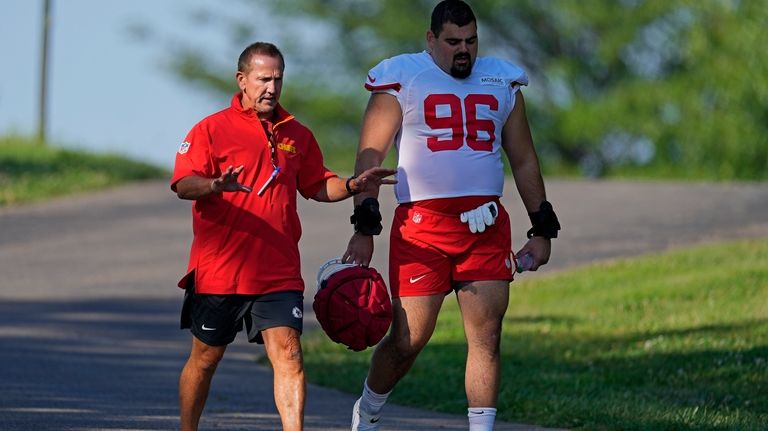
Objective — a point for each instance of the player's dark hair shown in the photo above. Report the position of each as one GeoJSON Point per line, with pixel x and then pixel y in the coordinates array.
{"type": "Point", "coordinates": [453, 11]}
{"type": "Point", "coordinates": [258, 48]}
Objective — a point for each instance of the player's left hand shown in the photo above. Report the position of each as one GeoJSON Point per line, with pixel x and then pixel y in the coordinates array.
{"type": "Point", "coordinates": [371, 179]}
{"type": "Point", "coordinates": [539, 248]}
{"type": "Point", "coordinates": [480, 217]}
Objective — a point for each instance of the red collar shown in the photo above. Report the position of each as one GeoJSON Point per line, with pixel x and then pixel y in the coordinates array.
{"type": "Point", "coordinates": [280, 114]}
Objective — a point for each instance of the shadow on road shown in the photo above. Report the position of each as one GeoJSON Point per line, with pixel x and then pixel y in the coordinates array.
{"type": "Point", "coordinates": [89, 334]}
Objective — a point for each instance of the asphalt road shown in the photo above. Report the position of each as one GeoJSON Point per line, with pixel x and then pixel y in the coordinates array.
{"type": "Point", "coordinates": [89, 334]}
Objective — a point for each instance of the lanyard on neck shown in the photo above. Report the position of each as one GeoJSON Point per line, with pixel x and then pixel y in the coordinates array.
{"type": "Point", "coordinates": [273, 158]}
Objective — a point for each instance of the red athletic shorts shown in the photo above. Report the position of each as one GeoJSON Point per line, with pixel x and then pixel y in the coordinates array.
{"type": "Point", "coordinates": [430, 250]}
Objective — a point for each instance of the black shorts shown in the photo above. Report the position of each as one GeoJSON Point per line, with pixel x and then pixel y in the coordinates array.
{"type": "Point", "coordinates": [216, 319]}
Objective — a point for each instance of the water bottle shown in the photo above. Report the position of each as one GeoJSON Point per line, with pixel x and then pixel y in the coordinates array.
{"type": "Point", "coordinates": [524, 262]}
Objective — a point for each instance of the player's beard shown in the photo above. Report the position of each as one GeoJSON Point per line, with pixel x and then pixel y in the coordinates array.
{"type": "Point", "coordinates": [461, 71]}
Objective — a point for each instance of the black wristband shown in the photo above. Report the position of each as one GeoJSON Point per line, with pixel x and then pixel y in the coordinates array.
{"type": "Point", "coordinates": [349, 189]}
{"type": "Point", "coordinates": [367, 217]}
{"type": "Point", "coordinates": [544, 222]}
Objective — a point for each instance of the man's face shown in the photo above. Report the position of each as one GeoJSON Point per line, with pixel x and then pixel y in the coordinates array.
{"type": "Point", "coordinates": [261, 84]}
{"type": "Point", "coordinates": [455, 50]}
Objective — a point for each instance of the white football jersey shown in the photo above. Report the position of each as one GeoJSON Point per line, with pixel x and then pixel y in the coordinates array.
{"type": "Point", "coordinates": [449, 143]}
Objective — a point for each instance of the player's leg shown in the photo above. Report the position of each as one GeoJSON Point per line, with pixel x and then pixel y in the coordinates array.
{"type": "Point", "coordinates": [284, 352]}
{"type": "Point", "coordinates": [195, 382]}
{"type": "Point", "coordinates": [482, 274]}
{"type": "Point", "coordinates": [483, 304]}
{"type": "Point", "coordinates": [413, 322]}
{"type": "Point", "coordinates": [419, 277]}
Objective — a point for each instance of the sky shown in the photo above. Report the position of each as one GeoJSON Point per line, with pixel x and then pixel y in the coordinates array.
{"type": "Point", "coordinates": [109, 91]}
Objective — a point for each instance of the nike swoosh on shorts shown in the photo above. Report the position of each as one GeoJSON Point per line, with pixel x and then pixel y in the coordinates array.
{"type": "Point", "coordinates": [415, 279]}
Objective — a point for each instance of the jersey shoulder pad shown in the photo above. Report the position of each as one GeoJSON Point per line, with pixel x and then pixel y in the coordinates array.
{"type": "Point", "coordinates": [391, 74]}
{"type": "Point", "coordinates": [503, 69]}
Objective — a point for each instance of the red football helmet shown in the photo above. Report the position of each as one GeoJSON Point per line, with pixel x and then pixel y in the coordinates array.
{"type": "Point", "coordinates": [352, 304]}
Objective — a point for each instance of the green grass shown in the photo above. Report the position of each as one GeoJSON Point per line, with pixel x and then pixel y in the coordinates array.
{"type": "Point", "coordinates": [676, 341]}
{"type": "Point", "coordinates": [31, 172]}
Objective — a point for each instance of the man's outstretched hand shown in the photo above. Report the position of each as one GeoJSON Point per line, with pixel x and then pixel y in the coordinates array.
{"type": "Point", "coordinates": [227, 182]}
{"type": "Point", "coordinates": [371, 179]}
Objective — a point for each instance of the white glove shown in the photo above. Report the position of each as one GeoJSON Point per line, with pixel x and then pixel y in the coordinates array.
{"type": "Point", "coordinates": [480, 217]}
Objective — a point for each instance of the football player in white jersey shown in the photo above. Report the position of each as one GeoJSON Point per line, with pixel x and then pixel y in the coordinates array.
{"type": "Point", "coordinates": [450, 114]}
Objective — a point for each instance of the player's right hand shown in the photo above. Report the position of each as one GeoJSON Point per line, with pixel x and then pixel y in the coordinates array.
{"type": "Point", "coordinates": [359, 250]}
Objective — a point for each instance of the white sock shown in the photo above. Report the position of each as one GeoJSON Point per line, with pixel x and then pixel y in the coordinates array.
{"type": "Point", "coordinates": [372, 402]}
{"type": "Point", "coordinates": [481, 418]}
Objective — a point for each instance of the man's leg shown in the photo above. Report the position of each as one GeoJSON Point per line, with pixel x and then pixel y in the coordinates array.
{"type": "Point", "coordinates": [195, 381]}
{"type": "Point", "coordinates": [483, 304]}
{"type": "Point", "coordinates": [413, 321]}
{"type": "Point", "coordinates": [284, 352]}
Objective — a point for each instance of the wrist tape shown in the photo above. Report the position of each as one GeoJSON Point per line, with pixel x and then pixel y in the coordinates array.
{"type": "Point", "coordinates": [544, 222]}
{"type": "Point", "coordinates": [367, 218]}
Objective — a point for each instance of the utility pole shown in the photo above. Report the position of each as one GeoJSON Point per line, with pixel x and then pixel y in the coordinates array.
{"type": "Point", "coordinates": [41, 118]}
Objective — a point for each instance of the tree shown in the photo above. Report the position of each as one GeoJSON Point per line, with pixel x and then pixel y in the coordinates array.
{"type": "Point", "coordinates": [618, 87]}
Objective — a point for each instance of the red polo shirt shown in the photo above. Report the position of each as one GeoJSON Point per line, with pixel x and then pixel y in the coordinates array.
{"type": "Point", "coordinates": [244, 243]}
